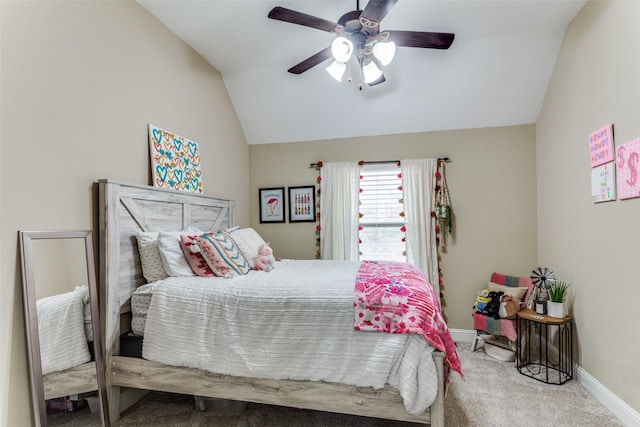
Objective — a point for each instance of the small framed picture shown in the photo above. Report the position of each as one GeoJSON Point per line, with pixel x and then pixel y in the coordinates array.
{"type": "Point", "coordinates": [272, 204]}
{"type": "Point", "coordinates": [302, 204]}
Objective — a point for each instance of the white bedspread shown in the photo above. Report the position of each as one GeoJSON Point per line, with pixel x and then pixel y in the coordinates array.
{"type": "Point", "coordinates": [61, 329]}
{"type": "Point", "coordinates": [294, 322]}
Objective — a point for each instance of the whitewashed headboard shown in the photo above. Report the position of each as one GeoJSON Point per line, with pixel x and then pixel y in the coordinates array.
{"type": "Point", "coordinates": [126, 209]}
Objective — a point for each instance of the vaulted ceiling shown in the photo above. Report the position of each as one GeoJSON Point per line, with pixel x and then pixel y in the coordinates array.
{"type": "Point", "coordinates": [496, 72]}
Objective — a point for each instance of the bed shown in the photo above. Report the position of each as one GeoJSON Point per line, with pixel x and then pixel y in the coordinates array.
{"type": "Point", "coordinates": [64, 326]}
{"type": "Point", "coordinates": [65, 336]}
{"type": "Point", "coordinates": [127, 209]}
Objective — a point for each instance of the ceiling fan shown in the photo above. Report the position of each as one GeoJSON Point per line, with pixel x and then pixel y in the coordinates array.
{"type": "Point", "coordinates": [358, 36]}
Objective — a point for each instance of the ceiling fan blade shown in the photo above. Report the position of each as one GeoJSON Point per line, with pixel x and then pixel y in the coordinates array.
{"type": "Point", "coordinates": [287, 15]}
{"type": "Point", "coordinates": [380, 79]}
{"type": "Point", "coordinates": [376, 10]}
{"type": "Point", "coordinates": [311, 61]}
{"type": "Point", "coordinates": [421, 39]}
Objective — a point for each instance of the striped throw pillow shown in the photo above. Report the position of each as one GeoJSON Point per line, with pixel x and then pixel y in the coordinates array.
{"type": "Point", "coordinates": [222, 254]}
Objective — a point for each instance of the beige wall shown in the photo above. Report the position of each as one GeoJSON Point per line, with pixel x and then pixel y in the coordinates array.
{"type": "Point", "coordinates": [492, 185]}
{"type": "Point", "coordinates": [594, 246]}
{"type": "Point", "coordinates": [80, 81]}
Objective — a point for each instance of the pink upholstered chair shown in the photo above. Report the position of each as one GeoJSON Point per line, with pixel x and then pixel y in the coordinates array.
{"type": "Point", "coordinates": [501, 327]}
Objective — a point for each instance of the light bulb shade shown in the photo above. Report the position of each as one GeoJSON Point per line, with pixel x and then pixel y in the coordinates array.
{"type": "Point", "coordinates": [371, 72]}
{"type": "Point", "coordinates": [336, 70]}
{"type": "Point", "coordinates": [341, 49]}
{"type": "Point", "coordinates": [384, 51]}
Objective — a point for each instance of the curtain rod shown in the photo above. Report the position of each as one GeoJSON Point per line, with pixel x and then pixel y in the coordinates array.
{"type": "Point", "coordinates": [373, 162]}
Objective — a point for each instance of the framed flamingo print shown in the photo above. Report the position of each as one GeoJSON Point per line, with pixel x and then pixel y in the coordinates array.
{"type": "Point", "coordinates": [175, 161]}
{"type": "Point", "coordinates": [272, 203]}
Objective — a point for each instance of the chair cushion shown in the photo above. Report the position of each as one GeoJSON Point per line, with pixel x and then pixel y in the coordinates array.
{"type": "Point", "coordinates": [514, 282]}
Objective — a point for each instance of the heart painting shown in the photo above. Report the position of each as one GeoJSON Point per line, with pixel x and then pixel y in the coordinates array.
{"type": "Point", "coordinates": [175, 161]}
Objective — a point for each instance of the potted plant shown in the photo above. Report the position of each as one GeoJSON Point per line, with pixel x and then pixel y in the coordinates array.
{"type": "Point", "coordinates": [556, 305]}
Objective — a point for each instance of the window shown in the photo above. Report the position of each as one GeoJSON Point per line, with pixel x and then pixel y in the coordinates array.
{"type": "Point", "coordinates": [381, 237]}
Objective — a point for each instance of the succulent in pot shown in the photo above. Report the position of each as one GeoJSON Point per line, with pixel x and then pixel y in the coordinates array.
{"type": "Point", "coordinates": [556, 306]}
{"type": "Point", "coordinates": [557, 290]}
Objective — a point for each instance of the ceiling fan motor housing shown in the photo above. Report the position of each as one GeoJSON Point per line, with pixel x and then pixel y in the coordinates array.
{"type": "Point", "coordinates": [360, 31]}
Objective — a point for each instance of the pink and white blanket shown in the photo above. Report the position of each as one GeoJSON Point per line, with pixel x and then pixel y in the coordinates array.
{"type": "Point", "coordinates": [397, 298]}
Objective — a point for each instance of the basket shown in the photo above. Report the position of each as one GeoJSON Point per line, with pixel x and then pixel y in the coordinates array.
{"type": "Point", "coordinates": [499, 353]}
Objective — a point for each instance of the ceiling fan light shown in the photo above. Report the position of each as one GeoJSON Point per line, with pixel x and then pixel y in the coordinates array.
{"type": "Point", "coordinates": [371, 72]}
{"type": "Point", "coordinates": [336, 70]}
{"type": "Point", "coordinates": [341, 49]}
{"type": "Point", "coordinates": [385, 52]}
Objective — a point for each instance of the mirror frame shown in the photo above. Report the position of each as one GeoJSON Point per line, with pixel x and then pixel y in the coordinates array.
{"type": "Point", "coordinates": [31, 320]}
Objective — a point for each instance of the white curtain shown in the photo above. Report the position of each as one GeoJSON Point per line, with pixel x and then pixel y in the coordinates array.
{"type": "Point", "coordinates": [339, 196]}
{"type": "Point", "coordinates": [418, 181]}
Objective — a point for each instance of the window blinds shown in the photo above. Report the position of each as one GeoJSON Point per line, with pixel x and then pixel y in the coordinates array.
{"type": "Point", "coordinates": [381, 237]}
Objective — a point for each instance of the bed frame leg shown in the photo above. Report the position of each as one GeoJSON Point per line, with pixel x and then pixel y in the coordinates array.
{"type": "Point", "coordinates": [437, 407]}
{"type": "Point", "coordinates": [114, 403]}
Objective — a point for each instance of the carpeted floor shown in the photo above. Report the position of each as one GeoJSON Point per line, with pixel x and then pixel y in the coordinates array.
{"type": "Point", "coordinates": [492, 393]}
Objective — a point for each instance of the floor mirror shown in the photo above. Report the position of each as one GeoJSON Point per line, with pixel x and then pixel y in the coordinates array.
{"type": "Point", "coordinates": [66, 364]}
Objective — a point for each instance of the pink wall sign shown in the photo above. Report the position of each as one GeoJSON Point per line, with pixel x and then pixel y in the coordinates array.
{"type": "Point", "coordinates": [601, 146]}
{"type": "Point", "coordinates": [628, 163]}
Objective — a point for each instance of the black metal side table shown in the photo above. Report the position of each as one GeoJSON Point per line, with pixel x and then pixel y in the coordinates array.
{"type": "Point", "coordinates": [544, 362]}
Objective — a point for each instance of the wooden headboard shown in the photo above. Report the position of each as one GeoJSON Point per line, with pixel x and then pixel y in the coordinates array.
{"type": "Point", "coordinates": [126, 209]}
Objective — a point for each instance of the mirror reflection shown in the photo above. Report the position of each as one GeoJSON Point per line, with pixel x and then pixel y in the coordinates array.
{"type": "Point", "coordinates": [66, 366]}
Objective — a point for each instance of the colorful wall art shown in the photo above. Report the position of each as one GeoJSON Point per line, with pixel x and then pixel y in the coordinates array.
{"type": "Point", "coordinates": [628, 155]}
{"type": "Point", "coordinates": [603, 183]}
{"type": "Point", "coordinates": [175, 161]}
{"type": "Point", "coordinates": [302, 204]}
{"type": "Point", "coordinates": [601, 148]}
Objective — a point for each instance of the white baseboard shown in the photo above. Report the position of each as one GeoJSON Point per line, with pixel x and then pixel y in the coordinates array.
{"type": "Point", "coordinates": [625, 413]}
{"type": "Point", "coordinates": [463, 335]}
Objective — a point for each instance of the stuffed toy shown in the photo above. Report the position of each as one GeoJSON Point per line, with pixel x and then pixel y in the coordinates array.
{"type": "Point", "coordinates": [509, 306]}
{"type": "Point", "coordinates": [481, 301]}
{"type": "Point", "coordinates": [265, 260]}
{"type": "Point", "coordinates": [493, 307]}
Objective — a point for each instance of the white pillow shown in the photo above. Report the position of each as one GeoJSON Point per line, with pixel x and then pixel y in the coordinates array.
{"type": "Point", "coordinates": [148, 246]}
{"type": "Point", "coordinates": [152, 268]}
{"type": "Point", "coordinates": [173, 260]}
{"type": "Point", "coordinates": [248, 241]}
{"type": "Point", "coordinates": [508, 290]}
